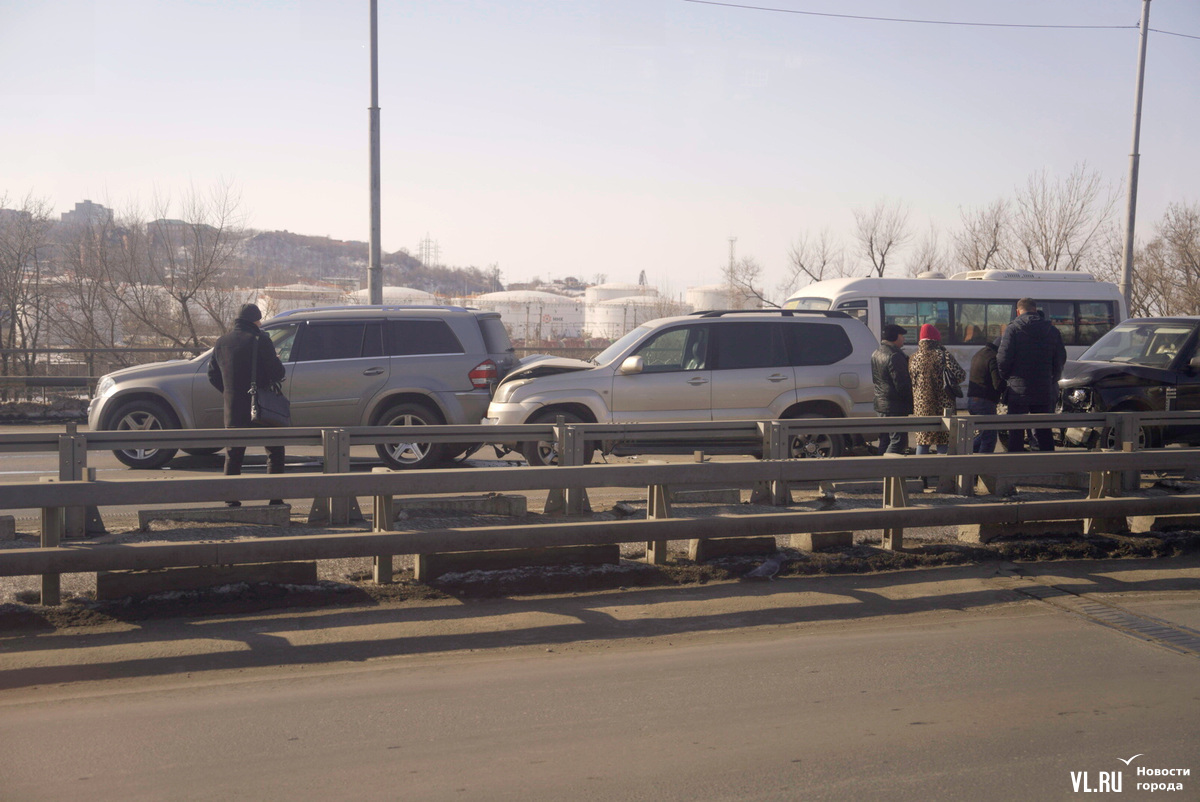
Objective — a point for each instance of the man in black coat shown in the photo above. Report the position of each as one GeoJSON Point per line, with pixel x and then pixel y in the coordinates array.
{"type": "Point", "coordinates": [1031, 358]}
{"type": "Point", "coordinates": [983, 393]}
{"type": "Point", "coordinates": [893, 385]}
{"type": "Point", "coordinates": [229, 372]}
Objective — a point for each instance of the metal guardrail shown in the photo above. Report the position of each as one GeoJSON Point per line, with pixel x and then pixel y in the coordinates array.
{"type": "Point", "coordinates": [54, 559]}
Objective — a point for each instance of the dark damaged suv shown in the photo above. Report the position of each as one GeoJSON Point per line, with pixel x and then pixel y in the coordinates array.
{"type": "Point", "coordinates": [1142, 365]}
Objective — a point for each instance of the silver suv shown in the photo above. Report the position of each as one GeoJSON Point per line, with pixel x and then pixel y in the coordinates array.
{"type": "Point", "coordinates": [346, 366]}
{"type": "Point", "coordinates": [720, 365]}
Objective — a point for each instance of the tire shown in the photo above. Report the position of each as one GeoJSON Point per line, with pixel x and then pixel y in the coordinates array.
{"type": "Point", "coordinates": [545, 452]}
{"type": "Point", "coordinates": [819, 446]}
{"type": "Point", "coordinates": [1147, 438]}
{"type": "Point", "coordinates": [410, 455]}
{"type": "Point", "coordinates": [144, 415]}
{"type": "Point", "coordinates": [201, 452]}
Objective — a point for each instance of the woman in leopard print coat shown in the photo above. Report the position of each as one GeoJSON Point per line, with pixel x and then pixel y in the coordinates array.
{"type": "Point", "coordinates": [929, 391]}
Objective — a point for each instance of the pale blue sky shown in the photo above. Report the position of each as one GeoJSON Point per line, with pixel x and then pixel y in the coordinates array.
{"type": "Point", "coordinates": [580, 137]}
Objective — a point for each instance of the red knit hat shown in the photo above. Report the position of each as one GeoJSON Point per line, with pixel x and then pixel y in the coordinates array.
{"type": "Point", "coordinates": [930, 332]}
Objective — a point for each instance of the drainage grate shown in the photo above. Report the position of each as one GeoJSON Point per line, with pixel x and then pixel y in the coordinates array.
{"type": "Point", "coordinates": [1177, 638]}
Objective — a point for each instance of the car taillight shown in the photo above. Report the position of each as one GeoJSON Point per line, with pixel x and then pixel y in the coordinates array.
{"type": "Point", "coordinates": [484, 375]}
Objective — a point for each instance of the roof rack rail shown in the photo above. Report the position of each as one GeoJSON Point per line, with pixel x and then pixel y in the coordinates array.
{"type": "Point", "coordinates": [781, 312]}
{"type": "Point", "coordinates": [375, 307]}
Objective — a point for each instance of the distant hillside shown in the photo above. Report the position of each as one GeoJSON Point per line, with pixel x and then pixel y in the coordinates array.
{"type": "Point", "coordinates": [280, 257]}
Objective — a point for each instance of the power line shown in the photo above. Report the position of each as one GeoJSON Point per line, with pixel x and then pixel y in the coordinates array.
{"type": "Point", "coordinates": [1172, 33]}
{"type": "Point", "coordinates": [929, 21]}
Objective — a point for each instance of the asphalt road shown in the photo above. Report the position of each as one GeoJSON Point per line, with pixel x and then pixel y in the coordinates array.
{"type": "Point", "coordinates": [932, 685]}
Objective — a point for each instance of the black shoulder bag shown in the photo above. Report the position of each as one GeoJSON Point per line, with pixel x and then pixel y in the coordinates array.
{"type": "Point", "coordinates": [268, 406]}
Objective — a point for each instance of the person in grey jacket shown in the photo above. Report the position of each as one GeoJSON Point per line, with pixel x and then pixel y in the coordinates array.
{"type": "Point", "coordinates": [893, 386]}
{"type": "Point", "coordinates": [229, 372]}
{"type": "Point", "coordinates": [1031, 356]}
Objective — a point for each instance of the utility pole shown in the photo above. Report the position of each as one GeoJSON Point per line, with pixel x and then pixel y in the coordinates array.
{"type": "Point", "coordinates": [375, 256]}
{"type": "Point", "coordinates": [1131, 206]}
{"type": "Point", "coordinates": [729, 289]}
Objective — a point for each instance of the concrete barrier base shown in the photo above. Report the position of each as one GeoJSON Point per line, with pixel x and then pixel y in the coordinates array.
{"type": "Point", "coordinates": [8, 527]}
{"type": "Point", "coordinates": [1163, 523]}
{"type": "Point", "coordinates": [986, 533]}
{"type": "Point", "coordinates": [119, 584]}
{"type": "Point", "coordinates": [491, 504]}
{"type": "Point", "coordinates": [706, 495]}
{"type": "Point", "coordinates": [706, 549]}
{"type": "Point", "coordinates": [266, 514]}
{"type": "Point", "coordinates": [427, 567]}
{"type": "Point", "coordinates": [822, 541]}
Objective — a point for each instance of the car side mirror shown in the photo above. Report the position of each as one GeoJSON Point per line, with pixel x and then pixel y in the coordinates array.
{"type": "Point", "coordinates": [631, 365]}
{"type": "Point", "coordinates": [1194, 364]}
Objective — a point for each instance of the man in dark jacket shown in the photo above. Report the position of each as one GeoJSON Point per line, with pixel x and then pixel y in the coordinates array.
{"type": "Point", "coordinates": [893, 385]}
{"type": "Point", "coordinates": [1031, 358]}
{"type": "Point", "coordinates": [229, 372]}
{"type": "Point", "coordinates": [983, 393]}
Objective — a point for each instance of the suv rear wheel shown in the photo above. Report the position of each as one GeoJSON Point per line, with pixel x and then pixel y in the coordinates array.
{"type": "Point", "coordinates": [815, 446]}
{"type": "Point", "coordinates": [143, 416]}
{"type": "Point", "coordinates": [410, 454]}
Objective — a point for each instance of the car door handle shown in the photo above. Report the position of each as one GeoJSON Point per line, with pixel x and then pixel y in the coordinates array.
{"type": "Point", "coordinates": [372, 371]}
{"type": "Point", "coordinates": [696, 381]}
{"type": "Point", "coordinates": [777, 377]}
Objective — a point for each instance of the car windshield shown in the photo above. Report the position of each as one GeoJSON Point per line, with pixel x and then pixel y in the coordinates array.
{"type": "Point", "coordinates": [808, 303]}
{"type": "Point", "coordinates": [1141, 343]}
{"type": "Point", "coordinates": [616, 349]}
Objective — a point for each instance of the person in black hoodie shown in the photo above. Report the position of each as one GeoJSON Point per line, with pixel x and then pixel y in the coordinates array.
{"type": "Point", "coordinates": [893, 386]}
{"type": "Point", "coordinates": [1031, 358]}
{"type": "Point", "coordinates": [229, 372]}
{"type": "Point", "coordinates": [983, 393]}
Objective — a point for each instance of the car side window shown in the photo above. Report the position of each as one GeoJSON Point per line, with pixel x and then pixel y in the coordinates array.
{"type": "Point", "coordinates": [750, 345]}
{"type": "Point", "coordinates": [817, 344]}
{"type": "Point", "coordinates": [680, 348]}
{"type": "Point", "coordinates": [417, 337]}
{"type": "Point", "coordinates": [283, 338]}
{"type": "Point", "coordinates": [331, 341]}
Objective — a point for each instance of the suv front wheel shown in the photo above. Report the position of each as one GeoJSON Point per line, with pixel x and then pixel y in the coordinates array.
{"type": "Point", "coordinates": [142, 416]}
{"type": "Point", "coordinates": [410, 454]}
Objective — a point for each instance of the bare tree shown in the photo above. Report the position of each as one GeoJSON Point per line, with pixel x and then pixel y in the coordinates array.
{"type": "Point", "coordinates": [173, 271]}
{"type": "Point", "coordinates": [744, 280]}
{"type": "Point", "coordinates": [1167, 272]}
{"type": "Point", "coordinates": [813, 260]}
{"type": "Point", "coordinates": [930, 256]}
{"type": "Point", "coordinates": [985, 240]}
{"type": "Point", "coordinates": [25, 261]}
{"type": "Point", "coordinates": [1059, 224]}
{"type": "Point", "coordinates": [881, 231]}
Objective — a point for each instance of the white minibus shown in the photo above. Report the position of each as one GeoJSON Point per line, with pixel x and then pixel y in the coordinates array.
{"type": "Point", "coordinates": [972, 308]}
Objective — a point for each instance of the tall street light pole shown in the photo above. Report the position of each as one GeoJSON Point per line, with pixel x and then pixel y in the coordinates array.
{"type": "Point", "coordinates": [1131, 207]}
{"type": "Point", "coordinates": [375, 260]}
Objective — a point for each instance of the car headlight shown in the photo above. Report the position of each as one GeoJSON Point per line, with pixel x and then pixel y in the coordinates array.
{"type": "Point", "coordinates": [1079, 397]}
{"type": "Point", "coordinates": [105, 386]}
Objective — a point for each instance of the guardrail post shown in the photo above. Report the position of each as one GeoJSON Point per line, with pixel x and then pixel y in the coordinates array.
{"type": "Point", "coordinates": [340, 509]}
{"type": "Point", "coordinates": [1103, 484]}
{"type": "Point", "coordinates": [570, 444]}
{"type": "Point", "coordinates": [894, 495]}
{"type": "Point", "coordinates": [72, 467]}
{"type": "Point", "coordinates": [658, 506]}
{"type": "Point", "coordinates": [962, 435]}
{"type": "Point", "coordinates": [775, 447]}
{"type": "Point", "coordinates": [382, 518]}
{"type": "Point", "coordinates": [1128, 425]}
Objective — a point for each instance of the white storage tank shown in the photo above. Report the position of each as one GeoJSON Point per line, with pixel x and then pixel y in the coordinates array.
{"type": "Point", "coordinates": [606, 292]}
{"type": "Point", "coordinates": [394, 296]}
{"type": "Point", "coordinates": [616, 317]}
{"type": "Point", "coordinates": [534, 315]}
{"type": "Point", "coordinates": [718, 296]}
